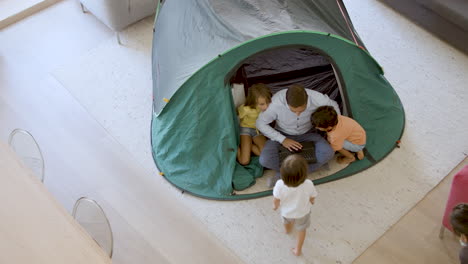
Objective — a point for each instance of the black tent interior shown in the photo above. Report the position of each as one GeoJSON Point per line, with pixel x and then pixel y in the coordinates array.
{"type": "Point", "coordinates": [280, 68]}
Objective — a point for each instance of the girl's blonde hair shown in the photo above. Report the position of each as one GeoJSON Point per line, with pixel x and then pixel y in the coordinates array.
{"type": "Point", "coordinates": [256, 91]}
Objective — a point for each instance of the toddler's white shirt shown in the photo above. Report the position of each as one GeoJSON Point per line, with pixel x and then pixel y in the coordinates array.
{"type": "Point", "coordinates": [294, 201]}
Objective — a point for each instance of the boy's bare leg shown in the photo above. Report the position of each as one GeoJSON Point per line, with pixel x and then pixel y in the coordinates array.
{"type": "Point", "coordinates": [347, 157]}
{"type": "Point", "coordinates": [360, 155]}
{"type": "Point", "coordinates": [288, 227]}
{"type": "Point", "coordinates": [300, 241]}
{"type": "Point", "coordinates": [344, 160]}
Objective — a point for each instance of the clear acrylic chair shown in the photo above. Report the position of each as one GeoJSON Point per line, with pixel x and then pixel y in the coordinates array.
{"type": "Point", "coordinates": [27, 149]}
{"type": "Point", "coordinates": [89, 214]}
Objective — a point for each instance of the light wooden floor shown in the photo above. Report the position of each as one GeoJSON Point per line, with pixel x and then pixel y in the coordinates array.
{"type": "Point", "coordinates": [415, 238]}
{"type": "Point", "coordinates": [82, 159]}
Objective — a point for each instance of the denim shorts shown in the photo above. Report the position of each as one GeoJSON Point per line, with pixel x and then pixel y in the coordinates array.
{"type": "Point", "coordinates": [352, 147]}
{"type": "Point", "coordinates": [248, 131]}
{"type": "Point", "coordinates": [299, 223]}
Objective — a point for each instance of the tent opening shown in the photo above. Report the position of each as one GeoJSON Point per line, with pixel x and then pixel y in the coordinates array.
{"type": "Point", "coordinates": [197, 67]}
{"type": "Point", "coordinates": [282, 67]}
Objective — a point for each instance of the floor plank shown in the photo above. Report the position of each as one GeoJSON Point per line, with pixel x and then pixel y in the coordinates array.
{"type": "Point", "coordinates": [82, 158]}
{"type": "Point", "coordinates": [414, 239]}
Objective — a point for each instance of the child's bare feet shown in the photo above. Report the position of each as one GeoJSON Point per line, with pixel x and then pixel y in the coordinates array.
{"type": "Point", "coordinates": [296, 252]}
{"type": "Point", "coordinates": [345, 160]}
{"type": "Point", "coordinates": [360, 155]}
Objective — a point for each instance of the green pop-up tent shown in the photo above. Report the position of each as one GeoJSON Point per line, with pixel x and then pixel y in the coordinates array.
{"type": "Point", "coordinates": [201, 47]}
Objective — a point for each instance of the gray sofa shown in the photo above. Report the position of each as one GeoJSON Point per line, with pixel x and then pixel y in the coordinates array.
{"type": "Point", "coordinates": [447, 19]}
{"type": "Point", "coordinates": [118, 14]}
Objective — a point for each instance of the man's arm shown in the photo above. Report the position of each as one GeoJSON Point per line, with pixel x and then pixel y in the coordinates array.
{"type": "Point", "coordinates": [320, 99]}
{"type": "Point", "coordinates": [263, 124]}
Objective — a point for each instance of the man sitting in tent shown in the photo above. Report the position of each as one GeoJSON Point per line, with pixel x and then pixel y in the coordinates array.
{"type": "Point", "coordinates": [291, 109]}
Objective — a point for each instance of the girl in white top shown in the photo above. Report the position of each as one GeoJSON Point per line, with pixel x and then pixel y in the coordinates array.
{"type": "Point", "coordinates": [295, 194]}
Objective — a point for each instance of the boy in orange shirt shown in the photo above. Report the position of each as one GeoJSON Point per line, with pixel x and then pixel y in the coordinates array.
{"type": "Point", "coordinates": [344, 134]}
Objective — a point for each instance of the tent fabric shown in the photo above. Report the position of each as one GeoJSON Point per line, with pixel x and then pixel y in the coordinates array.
{"type": "Point", "coordinates": [283, 67]}
{"type": "Point", "coordinates": [188, 34]}
{"type": "Point", "coordinates": [195, 130]}
{"type": "Point", "coordinates": [284, 60]}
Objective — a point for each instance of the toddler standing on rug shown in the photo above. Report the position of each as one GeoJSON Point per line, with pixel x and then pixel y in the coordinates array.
{"type": "Point", "coordinates": [344, 134]}
{"type": "Point", "coordinates": [258, 99]}
{"type": "Point", "coordinates": [295, 194]}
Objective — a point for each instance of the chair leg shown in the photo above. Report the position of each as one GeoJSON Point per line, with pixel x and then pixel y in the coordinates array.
{"type": "Point", "coordinates": [82, 8]}
{"type": "Point", "coordinates": [118, 38]}
{"type": "Point", "coordinates": [441, 232]}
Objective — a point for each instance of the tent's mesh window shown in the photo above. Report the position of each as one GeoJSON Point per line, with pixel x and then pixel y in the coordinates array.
{"type": "Point", "coordinates": [282, 67]}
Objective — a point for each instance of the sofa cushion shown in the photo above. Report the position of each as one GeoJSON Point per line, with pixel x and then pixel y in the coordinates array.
{"type": "Point", "coordinates": [456, 11]}
{"type": "Point", "coordinates": [118, 14]}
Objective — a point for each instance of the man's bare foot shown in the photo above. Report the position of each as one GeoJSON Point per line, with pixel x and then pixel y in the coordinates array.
{"type": "Point", "coordinates": [296, 252]}
{"type": "Point", "coordinates": [360, 155]}
{"type": "Point", "coordinates": [345, 160]}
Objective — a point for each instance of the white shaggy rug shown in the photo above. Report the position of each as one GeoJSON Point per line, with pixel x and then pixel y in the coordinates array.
{"type": "Point", "coordinates": [114, 84]}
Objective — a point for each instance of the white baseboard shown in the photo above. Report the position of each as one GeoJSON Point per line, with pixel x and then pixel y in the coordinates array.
{"type": "Point", "coordinates": [29, 9]}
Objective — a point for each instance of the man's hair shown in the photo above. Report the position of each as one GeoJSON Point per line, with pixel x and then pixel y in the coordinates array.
{"type": "Point", "coordinates": [324, 116]}
{"type": "Point", "coordinates": [256, 91]}
{"type": "Point", "coordinates": [296, 95]}
{"type": "Point", "coordinates": [294, 170]}
{"type": "Point", "coordinates": [459, 219]}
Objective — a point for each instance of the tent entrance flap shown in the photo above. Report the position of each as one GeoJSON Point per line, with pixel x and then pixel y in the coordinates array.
{"type": "Point", "coordinates": [282, 67]}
